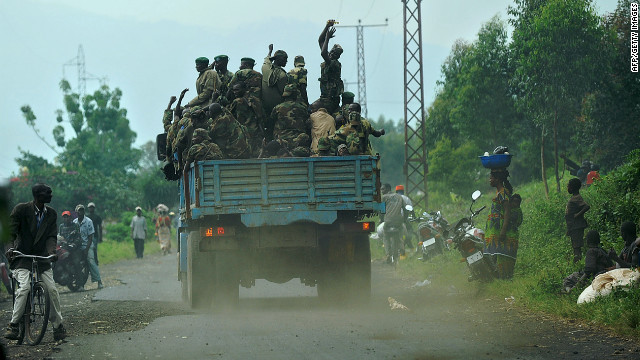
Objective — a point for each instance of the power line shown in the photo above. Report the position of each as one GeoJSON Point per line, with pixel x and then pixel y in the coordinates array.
{"type": "Point", "coordinates": [362, 78]}
{"type": "Point", "coordinates": [415, 153]}
{"type": "Point", "coordinates": [83, 75]}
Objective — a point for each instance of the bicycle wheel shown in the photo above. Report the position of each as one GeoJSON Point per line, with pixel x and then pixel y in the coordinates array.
{"type": "Point", "coordinates": [14, 285]}
{"type": "Point", "coordinates": [36, 325]}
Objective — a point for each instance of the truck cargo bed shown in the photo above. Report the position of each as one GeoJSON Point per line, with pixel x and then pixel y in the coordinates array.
{"type": "Point", "coordinates": [282, 190]}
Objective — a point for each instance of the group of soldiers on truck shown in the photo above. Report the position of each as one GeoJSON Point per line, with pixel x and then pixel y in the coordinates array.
{"type": "Point", "coordinates": [255, 115]}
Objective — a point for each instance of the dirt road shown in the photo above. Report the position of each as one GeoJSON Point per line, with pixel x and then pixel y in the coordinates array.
{"type": "Point", "coordinates": [139, 316]}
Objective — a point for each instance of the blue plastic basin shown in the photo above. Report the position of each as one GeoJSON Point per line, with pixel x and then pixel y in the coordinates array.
{"type": "Point", "coordinates": [496, 161]}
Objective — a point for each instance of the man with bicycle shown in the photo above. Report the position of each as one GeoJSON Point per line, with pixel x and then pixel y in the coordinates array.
{"type": "Point", "coordinates": [34, 232]}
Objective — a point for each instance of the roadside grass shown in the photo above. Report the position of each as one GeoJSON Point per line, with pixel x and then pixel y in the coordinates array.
{"type": "Point", "coordinates": [111, 251]}
{"type": "Point", "coordinates": [545, 255]}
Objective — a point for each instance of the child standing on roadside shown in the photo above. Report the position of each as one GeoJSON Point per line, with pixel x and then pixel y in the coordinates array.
{"type": "Point", "coordinates": [574, 217]}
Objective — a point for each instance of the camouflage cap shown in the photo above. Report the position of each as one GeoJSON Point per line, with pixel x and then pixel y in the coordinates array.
{"type": "Point", "coordinates": [202, 60]}
{"type": "Point", "coordinates": [290, 90]}
{"type": "Point", "coordinates": [279, 53]}
{"type": "Point", "coordinates": [201, 134]}
{"type": "Point", "coordinates": [221, 58]}
{"type": "Point", "coordinates": [298, 60]}
{"type": "Point", "coordinates": [348, 95]}
{"type": "Point", "coordinates": [248, 60]}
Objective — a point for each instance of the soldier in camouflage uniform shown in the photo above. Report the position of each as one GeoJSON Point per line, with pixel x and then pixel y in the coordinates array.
{"type": "Point", "coordinates": [347, 99]}
{"type": "Point", "coordinates": [169, 114]}
{"type": "Point", "coordinates": [167, 117]}
{"type": "Point", "coordinates": [247, 109]}
{"type": "Point", "coordinates": [220, 64]}
{"type": "Point", "coordinates": [355, 135]}
{"type": "Point", "coordinates": [274, 79]}
{"type": "Point", "coordinates": [173, 131]}
{"type": "Point", "coordinates": [291, 124]}
{"type": "Point", "coordinates": [251, 79]}
{"type": "Point", "coordinates": [298, 77]}
{"type": "Point", "coordinates": [206, 84]}
{"type": "Point", "coordinates": [202, 148]}
{"type": "Point", "coordinates": [331, 85]}
{"type": "Point", "coordinates": [231, 136]}
{"type": "Point", "coordinates": [195, 119]}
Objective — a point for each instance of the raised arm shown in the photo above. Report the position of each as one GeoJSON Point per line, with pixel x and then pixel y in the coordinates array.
{"type": "Point", "coordinates": [323, 34]}
{"type": "Point", "coordinates": [325, 45]}
{"type": "Point", "coordinates": [178, 111]}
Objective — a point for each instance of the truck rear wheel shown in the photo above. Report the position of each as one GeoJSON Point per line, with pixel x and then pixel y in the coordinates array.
{"type": "Point", "coordinates": [226, 286]}
{"type": "Point", "coordinates": [199, 273]}
{"type": "Point", "coordinates": [349, 279]}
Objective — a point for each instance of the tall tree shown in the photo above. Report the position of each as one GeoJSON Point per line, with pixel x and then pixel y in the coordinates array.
{"type": "Point", "coordinates": [557, 49]}
{"type": "Point", "coordinates": [610, 114]}
{"type": "Point", "coordinates": [103, 140]}
{"type": "Point", "coordinates": [96, 164]}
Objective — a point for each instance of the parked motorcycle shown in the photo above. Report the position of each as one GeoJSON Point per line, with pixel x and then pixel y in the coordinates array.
{"type": "Point", "coordinates": [71, 269]}
{"type": "Point", "coordinates": [467, 240]}
{"type": "Point", "coordinates": [432, 231]}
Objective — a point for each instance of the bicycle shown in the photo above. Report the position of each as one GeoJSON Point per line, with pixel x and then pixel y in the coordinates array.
{"type": "Point", "coordinates": [35, 319]}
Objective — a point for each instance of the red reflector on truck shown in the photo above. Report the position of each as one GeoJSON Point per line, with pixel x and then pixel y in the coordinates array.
{"type": "Point", "coordinates": [363, 226]}
{"type": "Point", "coordinates": [217, 231]}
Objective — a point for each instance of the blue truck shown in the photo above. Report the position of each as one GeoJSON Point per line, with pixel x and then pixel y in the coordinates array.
{"type": "Point", "coordinates": [277, 219]}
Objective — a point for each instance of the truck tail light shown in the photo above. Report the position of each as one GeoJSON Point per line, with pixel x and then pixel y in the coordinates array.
{"type": "Point", "coordinates": [216, 231]}
{"type": "Point", "coordinates": [353, 227]}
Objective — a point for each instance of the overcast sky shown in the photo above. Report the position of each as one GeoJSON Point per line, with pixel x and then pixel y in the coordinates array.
{"type": "Point", "coordinates": [147, 49]}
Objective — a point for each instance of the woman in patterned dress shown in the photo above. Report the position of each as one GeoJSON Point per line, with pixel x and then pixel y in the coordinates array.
{"type": "Point", "coordinates": [501, 234]}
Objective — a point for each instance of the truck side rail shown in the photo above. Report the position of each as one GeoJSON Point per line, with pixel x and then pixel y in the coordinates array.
{"type": "Point", "coordinates": [281, 185]}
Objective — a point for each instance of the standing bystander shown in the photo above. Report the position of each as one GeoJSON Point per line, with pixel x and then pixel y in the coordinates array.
{"type": "Point", "coordinates": [574, 217]}
{"type": "Point", "coordinates": [88, 245]}
{"type": "Point", "coordinates": [97, 226]}
{"type": "Point", "coordinates": [138, 232]}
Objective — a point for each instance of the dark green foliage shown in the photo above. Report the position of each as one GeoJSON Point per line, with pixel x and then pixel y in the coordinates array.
{"type": "Point", "coordinates": [614, 200]}
{"type": "Point", "coordinates": [610, 114]}
{"type": "Point", "coordinates": [391, 148]}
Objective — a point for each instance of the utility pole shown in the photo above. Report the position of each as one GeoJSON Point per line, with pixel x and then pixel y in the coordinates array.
{"type": "Point", "coordinates": [362, 77]}
{"type": "Point", "coordinates": [415, 152]}
{"type": "Point", "coordinates": [83, 76]}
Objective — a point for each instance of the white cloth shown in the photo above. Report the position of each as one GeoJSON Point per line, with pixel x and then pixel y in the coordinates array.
{"type": "Point", "coordinates": [603, 284]}
{"type": "Point", "coordinates": [23, 275]}
{"type": "Point", "coordinates": [139, 226]}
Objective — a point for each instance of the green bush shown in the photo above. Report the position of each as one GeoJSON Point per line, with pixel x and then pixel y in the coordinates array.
{"type": "Point", "coordinates": [121, 231]}
{"type": "Point", "coordinates": [615, 199]}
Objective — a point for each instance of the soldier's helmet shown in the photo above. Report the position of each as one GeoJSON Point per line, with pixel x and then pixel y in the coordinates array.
{"type": "Point", "coordinates": [200, 135]}
{"type": "Point", "coordinates": [290, 90]}
{"type": "Point", "coordinates": [298, 60]}
{"type": "Point", "coordinates": [279, 53]}
{"type": "Point", "coordinates": [197, 112]}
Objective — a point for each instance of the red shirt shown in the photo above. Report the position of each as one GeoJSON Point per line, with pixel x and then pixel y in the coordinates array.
{"type": "Point", "coordinates": [592, 175]}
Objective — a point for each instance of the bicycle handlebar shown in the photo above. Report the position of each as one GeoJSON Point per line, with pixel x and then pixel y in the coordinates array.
{"type": "Point", "coordinates": [18, 254]}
